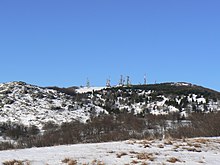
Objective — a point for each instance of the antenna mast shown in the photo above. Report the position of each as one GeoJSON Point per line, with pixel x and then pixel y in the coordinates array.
{"type": "Point", "coordinates": [145, 79]}
{"type": "Point", "coordinates": [87, 83]}
{"type": "Point", "coordinates": [121, 81]}
{"type": "Point", "coordinates": [108, 83]}
{"type": "Point", "coordinates": [128, 81]}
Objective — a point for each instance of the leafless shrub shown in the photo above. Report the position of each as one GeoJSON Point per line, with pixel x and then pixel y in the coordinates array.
{"type": "Point", "coordinates": [201, 125]}
{"type": "Point", "coordinates": [6, 146]}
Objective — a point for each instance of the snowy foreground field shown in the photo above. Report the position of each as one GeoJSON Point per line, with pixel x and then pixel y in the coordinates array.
{"type": "Point", "coordinates": [188, 151]}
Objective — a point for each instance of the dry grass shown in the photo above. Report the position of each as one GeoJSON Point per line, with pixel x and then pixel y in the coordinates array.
{"type": "Point", "coordinates": [145, 156]}
{"type": "Point", "coordinates": [144, 163]}
{"type": "Point", "coordinates": [66, 160]}
{"type": "Point", "coordinates": [168, 142]}
{"type": "Point", "coordinates": [133, 152]}
{"type": "Point", "coordinates": [13, 162]}
{"type": "Point", "coordinates": [197, 145]}
{"type": "Point", "coordinates": [131, 141]}
{"type": "Point", "coordinates": [173, 160]}
{"type": "Point", "coordinates": [69, 161]}
{"type": "Point", "coordinates": [135, 162]}
{"type": "Point", "coordinates": [192, 149]}
{"type": "Point", "coordinates": [145, 142]}
{"type": "Point", "coordinates": [202, 141]}
{"type": "Point", "coordinates": [72, 162]}
{"type": "Point", "coordinates": [119, 155]}
{"type": "Point", "coordinates": [176, 146]}
{"type": "Point", "coordinates": [97, 162]}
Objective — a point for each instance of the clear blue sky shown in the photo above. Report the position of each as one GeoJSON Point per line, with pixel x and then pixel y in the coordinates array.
{"type": "Point", "coordinates": [51, 42]}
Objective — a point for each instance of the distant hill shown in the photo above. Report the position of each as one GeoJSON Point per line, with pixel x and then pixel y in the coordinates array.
{"type": "Point", "coordinates": [161, 98]}
{"type": "Point", "coordinates": [33, 105]}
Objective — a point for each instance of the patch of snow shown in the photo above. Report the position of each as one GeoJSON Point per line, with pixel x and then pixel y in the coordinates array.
{"type": "Point", "coordinates": [201, 100]}
{"type": "Point", "coordinates": [90, 89]}
{"type": "Point", "coordinates": [182, 84]}
{"type": "Point", "coordinates": [173, 109]}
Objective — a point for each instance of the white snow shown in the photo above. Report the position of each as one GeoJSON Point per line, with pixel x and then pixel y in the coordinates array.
{"type": "Point", "coordinates": [194, 151]}
{"type": "Point", "coordinates": [182, 84]}
{"type": "Point", "coordinates": [90, 89]}
{"type": "Point", "coordinates": [196, 99]}
{"type": "Point", "coordinates": [201, 100]}
{"type": "Point", "coordinates": [173, 109]}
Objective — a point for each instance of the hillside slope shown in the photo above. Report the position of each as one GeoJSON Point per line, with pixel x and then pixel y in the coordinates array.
{"type": "Point", "coordinates": [164, 98]}
{"type": "Point", "coordinates": [32, 105]}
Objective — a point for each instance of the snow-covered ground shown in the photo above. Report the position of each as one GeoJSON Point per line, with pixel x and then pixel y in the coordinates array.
{"type": "Point", "coordinates": [90, 89]}
{"type": "Point", "coordinates": [194, 151]}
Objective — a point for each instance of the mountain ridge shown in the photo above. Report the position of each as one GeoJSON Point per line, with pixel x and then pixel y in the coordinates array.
{"type": "Point", "coordinates": [33, 105]}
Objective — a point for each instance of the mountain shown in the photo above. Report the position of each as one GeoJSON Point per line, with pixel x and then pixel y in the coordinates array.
{"type": "Point", "coordinates": [164, 98]}
{"type": "Point", "coordinates": [32, 105]}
